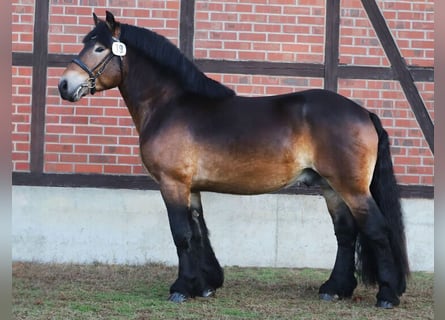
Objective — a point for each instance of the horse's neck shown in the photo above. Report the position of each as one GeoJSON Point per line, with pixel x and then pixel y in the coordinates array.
{"type": "Point", "coordinates": [144, 88]}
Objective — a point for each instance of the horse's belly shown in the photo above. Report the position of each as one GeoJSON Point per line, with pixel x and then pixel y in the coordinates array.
{"type": "Point", "coordinates": [251, 177]}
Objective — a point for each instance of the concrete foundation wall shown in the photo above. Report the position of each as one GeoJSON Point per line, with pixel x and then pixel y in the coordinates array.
{"type": "Point", "coordinates": [79, 225]}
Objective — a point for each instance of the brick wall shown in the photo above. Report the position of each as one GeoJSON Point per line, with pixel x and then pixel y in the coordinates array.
{"type": "Point", "coordinates": [96, 135]}
{"type": "Point", "coordinates": [22, 41]}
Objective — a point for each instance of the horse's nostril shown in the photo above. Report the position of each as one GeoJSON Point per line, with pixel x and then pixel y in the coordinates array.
{"type": "Point", "coordinates": [63, 86]}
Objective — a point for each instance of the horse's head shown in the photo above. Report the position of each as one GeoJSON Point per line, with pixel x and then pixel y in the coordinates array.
{"type": "Point", "coordinates": [99, 65]}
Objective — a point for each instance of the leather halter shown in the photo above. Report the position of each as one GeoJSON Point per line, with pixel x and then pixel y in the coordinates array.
{"type": "Point", "coordinates": [91, 82]}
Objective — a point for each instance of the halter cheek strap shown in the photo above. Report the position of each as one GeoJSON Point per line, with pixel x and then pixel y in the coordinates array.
{"type": "Point", "coordinates": [83, 66]}
{"type": "Point", "coordinates": [91, 83]}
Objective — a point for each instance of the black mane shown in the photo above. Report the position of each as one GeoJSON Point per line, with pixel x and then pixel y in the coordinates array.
{"type": "Point", "coordinates": [162, 51]}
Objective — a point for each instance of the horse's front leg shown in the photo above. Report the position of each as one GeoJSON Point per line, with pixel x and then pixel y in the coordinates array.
{"type": "Point", "coordinates": [190, 282]}
{"type": "Point", "coordinates": [211, 270]}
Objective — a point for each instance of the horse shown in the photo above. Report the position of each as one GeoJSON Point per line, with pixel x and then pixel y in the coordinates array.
{"type": "Point", "coordinates": [198, 135]}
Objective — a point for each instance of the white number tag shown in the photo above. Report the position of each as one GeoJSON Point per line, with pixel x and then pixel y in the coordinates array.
{"type": "Point", "coordinates": [119, 49]}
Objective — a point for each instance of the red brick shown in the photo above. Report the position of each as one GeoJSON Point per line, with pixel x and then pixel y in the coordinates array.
{"type": "Point", "coordinates": [139, 170]}
{"type": "Point", "coordinates": [21, 146]}
{"type": "Point", "coordinates": [72, 158]}
{"type": "Point", "coordinates": [104, 121]}
{"type": "Point", "coordinates": [251, 55]}
{"type": "Point", "coordinates": [52, 128]}
{"type": "Point", "coordinates": [269, 9]}
{"type": "Point", "coordinates": [281, 37]}
{"type": "Point", "coordinates": [117, 131]}
{"type": "Point", "coordinates": [20, 137]}
{"type": "Point", "coordinates": [59, 110]}
{"type": "Point", "coordinates": [79, 149]}
{"type": "Point", "coordinates": [73, 139]}
{"type": "Point", "coordinates": [282, 19]}
{"type": "Point", "coordinates": [21, 166]}
{"type": "Point", "coordinates": [311, 20]}
{"type": "Point", "coordinates": [88, 129]}
{"type": "Point", "coordinates": [119, 149]}
{"type": "Point", "coordinates": [254, 37]}
{"type": "Point", "coordinates": [222, 54]}
{"type": "Point", "coordinates": [129, 140]}
{"type": "Point", "coordinates": [311, 3]}
{"type": "Point", "coordinates": [58, 148]}
{"type": "Point", "coordinates": [427, 180]}
{"type": "Point", "coordinates": [266, 27]}
{"type": "Point", "coordinates": [237, 45]}
{"type": "Point", "coordinates": [102, 159]}
{"type": "Point", "coordinates": [134, 160]}
{"type": "Point", "coordinates": [309, 39]}
{"type": "Point", "coordinates": [117, 169]}
{"type": "Point", "coordinates": [74, 120]}
{"type": "Point", "coordinates": [20, 156]}
{"type": "Point", "coordinates": [92, 111]}
{"type": "Point", "coordinates": [240, 8]}
{"type": "Point", "coordinates": [102, 140]}
{"type": "Point", "coordinates": [299, 29]}
{"type": "Point", "coordinates": [88, 168]}
{"type": "Point", "coordinates": [290, 57]}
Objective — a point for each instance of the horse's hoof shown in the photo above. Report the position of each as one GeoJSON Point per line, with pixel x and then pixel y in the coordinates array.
{"type": "Point", "coordinates": [177, 297]}
{"type": "Point", "coordinates": [208, 293]}
{"type": "Point", "coordinates": [328, 297]}
{"type": "Point", "coordinates": [384, 304]}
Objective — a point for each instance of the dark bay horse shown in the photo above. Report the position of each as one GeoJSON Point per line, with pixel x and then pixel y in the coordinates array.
{"type": "Point", "coordinates": [198, 135]}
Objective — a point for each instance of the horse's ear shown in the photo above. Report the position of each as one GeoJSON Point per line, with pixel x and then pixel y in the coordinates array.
{"type": "Point", "coordinates": [96, 19]}
{"type": "Point", "coordinates": [110, 20]}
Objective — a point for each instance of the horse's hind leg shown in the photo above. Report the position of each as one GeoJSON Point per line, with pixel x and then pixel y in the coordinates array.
{"type": "Point", "coordinates": [342, 282]}
{"type": "Point", "coordinates": [208, 264]}
{"type": "Point", "coordinates": [373, 228]}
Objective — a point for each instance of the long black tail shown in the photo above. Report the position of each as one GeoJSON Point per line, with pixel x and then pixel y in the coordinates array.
{"type": "Point", "coordinates": [386, 194]}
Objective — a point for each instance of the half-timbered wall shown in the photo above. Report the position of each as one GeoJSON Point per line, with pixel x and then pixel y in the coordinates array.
{"type": "Point", "coordinates": [379, 53]}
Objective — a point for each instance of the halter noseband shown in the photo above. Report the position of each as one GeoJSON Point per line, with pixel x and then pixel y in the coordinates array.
{"type": "Point", "coordinates": [91, 82]}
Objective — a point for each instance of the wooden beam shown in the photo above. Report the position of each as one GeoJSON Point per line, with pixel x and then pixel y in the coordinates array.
{"type": "Point", "coordinates": [143, 182]}
{"type": "Point", "coordinates": [77, 180]}
{"type": "Point", "coordinates": [187, 28]}
{"type": "Point", "coordinates": [420, 74]}
{"type": "Point", "coordinates": [331, 51]}
{"type": "Point", "coordinates": [59, 61]}
{"type": "Point", "coordinates": [262, 68]}
{"type": "Point", "coordinates": [401, 70]}
{"type": "Point", "coordinates": [39, 79]}
{"type": "Point", "coordinates": [22, 59]}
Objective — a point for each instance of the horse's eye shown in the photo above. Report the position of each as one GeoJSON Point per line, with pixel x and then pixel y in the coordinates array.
{"type": "Point", "coordinates": [99, 49]}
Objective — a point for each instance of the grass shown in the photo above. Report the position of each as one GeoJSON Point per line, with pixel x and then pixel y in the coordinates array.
{"type": "Point", "coordinates": [49, 291]}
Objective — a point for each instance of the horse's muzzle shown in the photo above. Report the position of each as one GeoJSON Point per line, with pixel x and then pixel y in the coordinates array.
{"type": "Point", "coordinates": [72, 93]}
